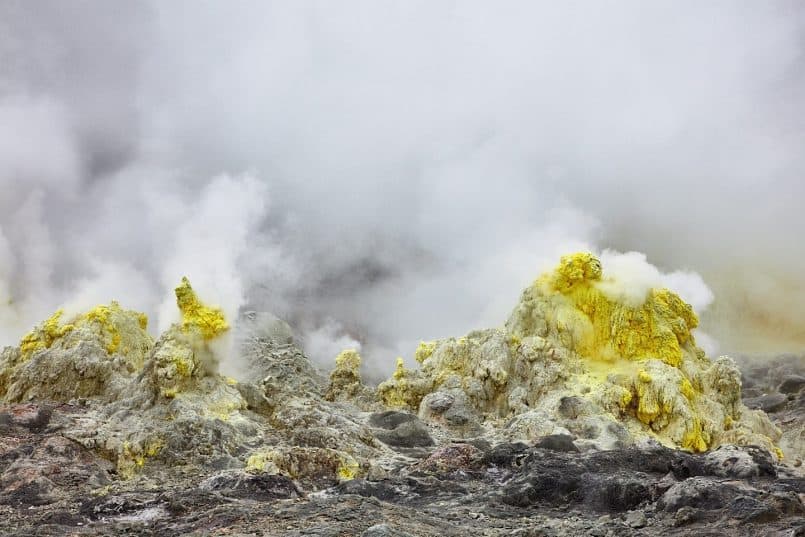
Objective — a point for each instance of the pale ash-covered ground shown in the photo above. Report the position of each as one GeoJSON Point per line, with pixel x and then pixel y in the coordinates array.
{"type": "Point", "coordinates": [568, 420]}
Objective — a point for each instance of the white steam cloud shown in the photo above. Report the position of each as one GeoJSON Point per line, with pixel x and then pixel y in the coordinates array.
{"type": "Point", "coordinates": [629, 277]}
{"type": "Point", "coordinates": [423, 160]}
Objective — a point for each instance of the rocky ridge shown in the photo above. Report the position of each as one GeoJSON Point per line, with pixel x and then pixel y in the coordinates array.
{"type": "Point", "coordinates": [567, 421]}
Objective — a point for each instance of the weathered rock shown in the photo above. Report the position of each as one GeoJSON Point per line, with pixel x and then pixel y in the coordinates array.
{"type": "Point", "coordinates": [450, 409]}
{"type": "Point", "coordinates": [698, 492]}
{"type": "Point", "coordinates": [37, 466]}
{"type": "Point", "coordinates": [269, 357]}
{"type": "Point", "coordinates": [740, 462]}
{"type": "Point", "coordinates": [384, 530]}
{"type": "Point", "coordinates": [557, 442]}
{"type": "Point", "coordinates": [458, 490]}
{"type": "Point", "coordinates": [574, 347]}
{"type": "Point", "coordinates": [400, 429]}
{"type": "Point", "coordinates": [450, 458]}
{"type": "Point", "coordinates": [346, 383]}
{"type": "Point", "coordinates": [94, 354]}
{"type": "Point", "coordinates": [30, 416]}
{"type": "Point", "coordinates": [768, 374]}
{"type": "Point", "coordinates": [792, 384]}
{"type": "Point", "coordinates": [316, 465]}
{"type": "Point", "coordinates": [636, 519]}
{"type": "Point", "coordinates": [767, 403]}
{"type": "Point", "coordinates": [115, 505]}
{"type": "Point", "coordinates": [505, 454]}
{"type": "Point", "coordinates": [172, 447]}
{"type": "Point", "coordinates": [260, 487]}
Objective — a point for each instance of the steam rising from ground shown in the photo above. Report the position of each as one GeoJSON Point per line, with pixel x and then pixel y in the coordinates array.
{"type": "Point", "coordinates": [423, 160]}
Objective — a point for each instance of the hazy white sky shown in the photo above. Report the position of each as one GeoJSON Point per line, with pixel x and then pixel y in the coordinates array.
{"type": "Point", "coordinates": [390, 171]}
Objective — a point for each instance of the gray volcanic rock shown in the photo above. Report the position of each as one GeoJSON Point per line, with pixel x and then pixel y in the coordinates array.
{"type": "Point", "coordinates": [764, 376]}
{"type": "Point", "coordinates": [697, 492]}
{"type": "Point", "coordinates": [792, 384]}
{"type": "Point", "coordinates": [767, 403]}
{"type": "Point", "coordinates": [263, 487]}
{"type": "Point", "coordinates": [557, 442]}
{"type": "Point", "coordinates": [400, 429]}
{"type": "Point", "coordinates": [459, 489]}
{"type": "Point", "coordinates": [745, 462]}
{"type": "Point", "coordinates": [174, 448]}
{"type": "Point", "coordinates": [384, 530]}
{"type": "Point", "coordinates": [93, 355]}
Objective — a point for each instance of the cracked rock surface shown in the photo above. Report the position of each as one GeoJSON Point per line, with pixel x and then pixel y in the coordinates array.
{"type": "Point", "coordinates": [54, 486]}
{"type": "Point", "coordinates": [143, 437]}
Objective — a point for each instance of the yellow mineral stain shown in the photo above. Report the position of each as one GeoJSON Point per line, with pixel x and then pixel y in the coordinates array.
{"type": "Point", "coordinates": [102, 319]}
{"type": "Point", "coordinates": [261, 461]}
{"type": "Point", "coordinates": [633, 354]}
{"type": "Point", "coordinates": [687, 389]}
{"type": "Point", "coordinates": [133, 458]}
{"type": "Point", "coordinates": [424, 350]}
{"type": "Point", "coordinates": [142, 318]}
{"type": "Point", "coordinates": [695, 439]}
{"type": "Point", "coordinates": [610, 333]}
{"type": "Point", "coordinates": [43, 336]}
{"type": "Point", "coordinates": [399, 370]}
{"type": "Point", "coordinates": [102, 315]}
{"type": "Point", "coordinates": [400, 393]}
{"type": "Point", "coordinates": [348, 467]}
{"type": "Point", "coordinates": [348, 360]}
{"type": "Point", "coordinates": [207, 321]}
{"type": "Point", "coordinates": [655, 329]}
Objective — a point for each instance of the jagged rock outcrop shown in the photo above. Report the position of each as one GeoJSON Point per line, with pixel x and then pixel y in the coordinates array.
{"type": "Point", "coordinates": [496, 434]}
{"type": "Point", "coordinates": [631, 369]}
{"type": "Point", "coordinates": [90, 355]}
{"type": "Point", "coordinates": [776, 385]}
{"type": "Point", "coordinates": [181, 411]}
{"type": "Point", "coordinates": [346, 383]}
{"type": "Point", "coordinates": [164, 404]}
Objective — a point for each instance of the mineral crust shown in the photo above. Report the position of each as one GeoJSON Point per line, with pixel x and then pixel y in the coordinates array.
{"type": "Point", "coordinates": [576, 358]}
{"type": "Point", "coordinates": [565, 421]}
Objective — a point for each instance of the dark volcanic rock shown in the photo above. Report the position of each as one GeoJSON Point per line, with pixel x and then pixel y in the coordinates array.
{"type": "Point", "coordinates": [619, 492]}
{"type": "Point", "coordinates": [767, 403]}
{"type": "Point", "coordinates": [28, 491]}
{"type": "Point", "coordinates": [505, 454]}
{"type": "Point", "coordinates": [748, 509]}
{"type": "Point", "coordinates": [260, 487]}
{"type": "Point", "coordinates": [545, 485]}
{"type": "Point", "coordinates": [557, 442]}
{"type": "Point", "coordinates": [384, 530]}
{"type": "Point", "coordinates": [622, 480]}
{"type": "Point", "coordinates": [32, 417]}
{"type": "Point", "coordinates": [116, 504]}
{"type": "Point", "coordinates": [391, 419]}
{"type": "Point", "coordinates": [743, 462]}
{"type": "Point", "coordinates": [459, 490]}
{"type": "Point", "coordinates": [792, 384]}
{"type": "Point", "coordinates": [36, 468]}
{"type": "Point", "coordinates": [400, 429]}
{"type": "Point", "coordinates": [450, 458]}
{"type": "Point", "coordinates": [571, 406]}
{"type": "Point", "coordinates": [698, 492]}
{"type": "Point", "coordinates": [51, 485]}
{"type": "Point", "coordinates": [615, 492]}
{"type": "Point", "coordinates": [385, 490]}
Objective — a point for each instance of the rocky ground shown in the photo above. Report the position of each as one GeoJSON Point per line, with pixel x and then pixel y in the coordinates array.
{"type": "Point", "coordinates": [508, 431]}
{"type": "Point", "coordinates": [52, 485]}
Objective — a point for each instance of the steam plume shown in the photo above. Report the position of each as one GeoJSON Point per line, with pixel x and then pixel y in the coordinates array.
{"type": "Point", "coordinates": [423, 160]}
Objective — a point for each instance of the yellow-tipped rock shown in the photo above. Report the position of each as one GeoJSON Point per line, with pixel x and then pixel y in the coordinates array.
{"type": "Point", "coordinates": [207, 321]}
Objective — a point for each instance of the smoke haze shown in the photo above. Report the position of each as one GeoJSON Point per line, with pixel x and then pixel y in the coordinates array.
{"type": "Point", "coordinates": [383, 172]}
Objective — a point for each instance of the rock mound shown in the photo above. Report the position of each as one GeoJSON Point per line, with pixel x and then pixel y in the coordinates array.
{"type": "Point", "coordinates": [576, 356]}
{"type": "Point", "coordinates": [90, 355]}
